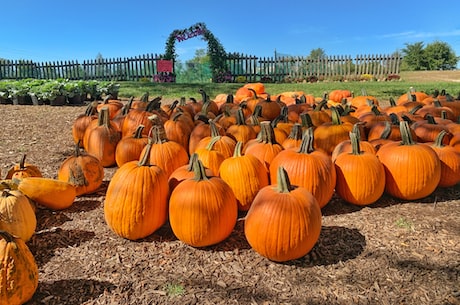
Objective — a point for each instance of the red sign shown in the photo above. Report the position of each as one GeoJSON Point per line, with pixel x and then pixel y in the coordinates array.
{"type": "Point", "coordinates": [164, 65]}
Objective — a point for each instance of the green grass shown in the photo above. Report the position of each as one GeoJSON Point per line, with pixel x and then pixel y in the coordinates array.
{"type": "Point", "coordinates": [381, 90]}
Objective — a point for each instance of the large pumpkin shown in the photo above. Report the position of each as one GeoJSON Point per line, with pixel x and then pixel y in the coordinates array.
{"type": "Point", "coordinates": [284, 221]}
{"type": "Point", "coordinates": [17, 215]}
{"type": "Point", "coordinates": [202, 210]}
{"type": "Point", "coordinates": [412, 170]}
{"type": "Point", "coordinates": [18, 271]}
{"type": "Point", "coordinates": [136, 201]}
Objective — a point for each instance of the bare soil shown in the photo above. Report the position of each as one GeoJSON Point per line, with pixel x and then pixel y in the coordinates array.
{"type": "Point", "coordinates": [391, 252]}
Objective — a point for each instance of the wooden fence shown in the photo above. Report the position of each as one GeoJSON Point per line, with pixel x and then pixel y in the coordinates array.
{"type": "Point", "coordinates": [285, 68]}
{"type": "Point", "coordinates": [242, 67]}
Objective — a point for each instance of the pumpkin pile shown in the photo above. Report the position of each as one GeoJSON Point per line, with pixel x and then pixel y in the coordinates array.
{"type": "Point", "coordinates": [274, 159]}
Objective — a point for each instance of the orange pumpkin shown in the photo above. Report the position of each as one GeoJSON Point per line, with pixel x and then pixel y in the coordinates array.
{"type": "Point", "coordinates": [308, 168]}
{"type": "Point", "coordinates": [82, 170]}
{"type": "Point", "coordinates": [245, 174]}
{"type": "Point", "coordinates": [284, 222]}
{"type": "Point", "coordinates": [412, 170]}
{"type": "Point", "coordinates": [450, 161]}
{"type": "Point", "coordinates": [136, 203]}
{"type": "Point", "coordinates": [23, 169]}
{"type": "Point", "coordinates": [203, 210]}
{"type": "Point", "coordinates": [360, 175]}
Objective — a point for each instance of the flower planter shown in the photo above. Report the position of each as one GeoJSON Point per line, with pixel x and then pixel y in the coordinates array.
{"type": "Point", "coordinates": [59, 101]}
{"type": "Point", "coordinates": [22, 100]}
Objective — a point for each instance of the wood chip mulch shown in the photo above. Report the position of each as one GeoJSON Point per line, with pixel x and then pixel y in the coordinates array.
{"type": "Point", "coordinates": [391, 252]}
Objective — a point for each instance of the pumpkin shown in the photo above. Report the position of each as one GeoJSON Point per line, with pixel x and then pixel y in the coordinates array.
{"type": "Point", "coordinates": [51, 193]}
{"type": "Point", "coordinates": [201, 130]}
{"type": "Point", "coordinates": [210, 156]}
{"type": "Point", "coordinates": [18, 270]}
{"type": "Point", "coordinates": [328, 135]}
{"type": "Point", "coordinates": [245, 174]}
{"type": "Point", "coordinates": [82, 122]}
{"type": "Point", "coordinates": [308, 168]}
{"type": "Point", "coordinates": [82, 170]}
{"type": "Point", "coordinates": [22, 169]}
{"type": "Point", "coordinates": [184, 172]}
{"type": "Point", "coordinates": [101, 139]}
{"type": "Point", "coordinates": [241, 131]}
{"type": "Point", "coordinates": [363, 99]}
{"type": "Point", "coordinates": [360, 175]}
{"type": "Point", "coordinates": [337, 95]}
{"type": "Point", "coordinates": [202, 210]}
{"type": "Point", "coordinates": [130, 148]}
{"type": "Point", "coordinates": [136, 117]}
{"type": "Point", "coordinates": [346, 146]}
{"type": "Point", "coordinates": [264, 147]}
{"type": "Point", "coordinates": [179, 127]}
{"type": "Point", "coordinates": [270, 109]}
{"type": "Point", "coordinates": [223, 143]}
{"type": "Point", "coordinates": [428, 129]}
{"type": "Point", "coordinates": [450, 161]}
{"type": "Point", "coordinates": [284, 221]}
{"type": "Point", "coordinates": [113, 105]}
{"type": "Point", "coordinates": [412, 170]}
{"type": "Point", "coordinates": [294, 138]}
{"type": "Point", "coordinates": [17, 215]}
{"type": "Point", "coordinates": [168, 155]}
{"type": "Point", "coordinates": [136, 203]}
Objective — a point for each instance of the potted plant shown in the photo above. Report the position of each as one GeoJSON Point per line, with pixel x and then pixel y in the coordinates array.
{"type": "Point", "coordinates": [5, 93]}
{"type": "Point", "coordinates": [52, 92]}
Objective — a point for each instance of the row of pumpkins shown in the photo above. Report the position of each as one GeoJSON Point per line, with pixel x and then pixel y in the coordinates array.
{"type": "Point", "coordinates": [196, 163]}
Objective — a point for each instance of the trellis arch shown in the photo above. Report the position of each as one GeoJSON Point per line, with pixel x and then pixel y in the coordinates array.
{"type": "Point", "coordinates": [216, 51]}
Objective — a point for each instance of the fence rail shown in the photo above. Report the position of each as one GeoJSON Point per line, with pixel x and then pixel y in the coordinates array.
{"type": "Point", "coordinates": [248, 67]}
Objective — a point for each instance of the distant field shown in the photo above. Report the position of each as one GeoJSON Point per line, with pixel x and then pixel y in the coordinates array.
{"type": "Point", "coordinates": [431, 76]}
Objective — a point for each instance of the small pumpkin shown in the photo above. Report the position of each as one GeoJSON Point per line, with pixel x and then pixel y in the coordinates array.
{"type": "Point", "coordinates": [23, 169]}
{"type": "Point", "coordinates": [82, 170]}
{"type": "Point", "coordinates": [50, 193]}
{"type": "Point", "coordinates": [17, 215]}
{"type": "Point", "coordinates": [450, 161]}
{"type": "Point", "coordinates": [18, 270]}
{"type": "Point", "coordinates": [284, 221]}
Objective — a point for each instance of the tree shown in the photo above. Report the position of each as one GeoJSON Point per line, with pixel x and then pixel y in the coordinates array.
{"type": "Point", "coordinates": [414, 56]}
{"type": "Point", "coordinates": [440, 56]}
{"type": "Point", "coordinates": [317, 53]}
{"type": "Point", "coordinates": [197, 69]}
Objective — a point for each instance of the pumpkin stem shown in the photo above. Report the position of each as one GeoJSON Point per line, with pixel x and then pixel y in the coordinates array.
{"type": "Point", "coordinates": [22, 162]}
{"type": "Point", "coordinates": [138, 132]}
{"type": "Point", "coordinates": [306, 146]}
{"type": "Point", "coordinates": [144, 159]}
{"type": "Point", "coordinates": [103, 118]}
{"type": "Point", "coordinates": [213, 141]}
{"type": "Point", "coordinates": [199, 171]}
{"type": "Point", "coordinates": [192, 160]}
{"type": "Point", "coordinates": [283, 185]}
{"type": "Point", "coordinates": [240, 117]}
{"type": "Point", "coordinates": [355, 143]}
{"type": "Point", "coordinates": [335, 116]}
{"type": "Point", "coordinates": [296, 132]}
{"type": "Point", "coordinates": [439, 140]}
{"type": "Point", "coordinates": [386, 131]}
{"type": "Point", "coordinates": [305, 118]}
{"type": "Point", "coordinates": [238, 149]}
{"type": "Point", "coordinates": [214, 130]}
{"type": "Point", "coordinates": [405, 134]}
{"type": "Point", "coordinates": [6, 236]}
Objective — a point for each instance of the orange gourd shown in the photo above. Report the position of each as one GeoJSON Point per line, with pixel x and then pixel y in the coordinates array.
{"type": "Point", "coordinates": [136, 203]}
{"type": "Point", "coordinates": [412, 170]}
{"type": "Point", "coordinates": [284, 221]}
{"type": "Point", "coordinates": [23, 169]}
{"type": "Point", "coordinates": [245, 174]}
{"type": "Point", "coordinates": [360, 175]}
{"type": "Point", "coordinates": [202, 210]}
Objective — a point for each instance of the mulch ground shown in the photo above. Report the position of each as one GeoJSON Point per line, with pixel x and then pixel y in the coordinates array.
{"type": "Point", "coordinates": [391, 252]}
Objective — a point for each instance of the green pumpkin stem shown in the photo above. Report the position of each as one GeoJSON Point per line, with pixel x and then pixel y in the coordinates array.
{"type": "Point", "coordinates": [405, 134]}
{"type": "Point", "coordinates": [438, 142]}
{"type": "Point", "coordinates": [238, 149]}
{"type": "Point", "coordinates": [103, 118]}
{"type": "Point", "coordinates": [199, 170]}
{"type": "Point", "coordinates": [306, 146]}
{"type": "Point", "coordinates": [192, 160]}
{"type": "Point", "coordinates": [355, 143]}
{"type": "Point", "coordinates": [283, 185]}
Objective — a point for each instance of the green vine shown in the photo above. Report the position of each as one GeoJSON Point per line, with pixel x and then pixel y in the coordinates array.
{"type": "Point", "coordinates": [216, 51]}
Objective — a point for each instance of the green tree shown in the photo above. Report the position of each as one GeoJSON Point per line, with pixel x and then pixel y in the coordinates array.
{"type": "Point", "coordinates": [414, 57]}
{"type": "Point", "coordinates": [440, 56]}
{"type": "Point", "coordinates": [317, 53]}
{"type": "Point", "coordinates": [196, 70]}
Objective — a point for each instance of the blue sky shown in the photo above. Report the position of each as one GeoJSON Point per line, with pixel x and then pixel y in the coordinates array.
{"type": "Point", "coordinates": [78, 30]}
